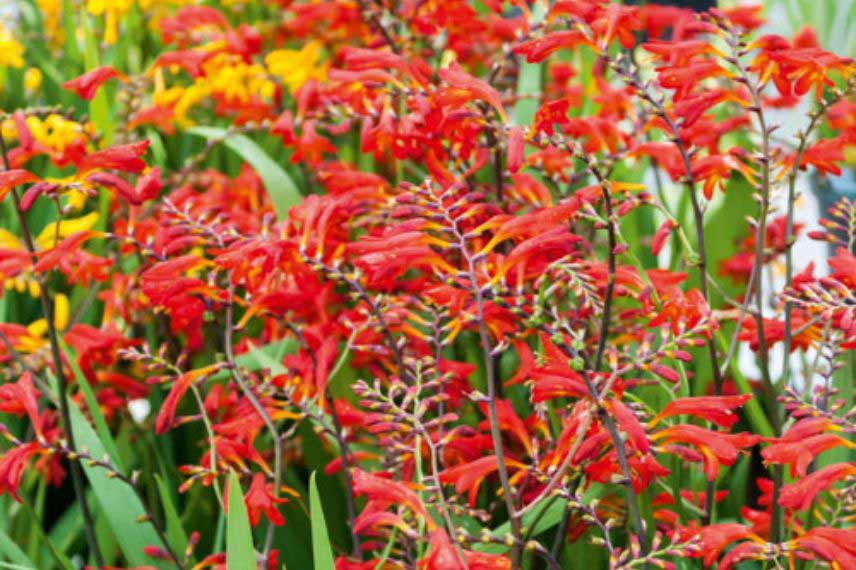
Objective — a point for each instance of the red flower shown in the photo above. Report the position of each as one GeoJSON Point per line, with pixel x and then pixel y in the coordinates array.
{"type": "Point", "coordinates": [259, 499]}
{"type": "Point", "coordinates": [21, 398]}
{"type": "Point", "coordinates": [714, 538]}
{"type": "Point", "coordinates": [718, 410]}
{"type": "Point", "coordinates": [515, 149]}
{"type": "Point", "coordinates": [715, 448]}
{"type": "Point", "coordinates": [166, 416]}
{"type": "Point", "coordinates": [383, 493]}
{"type": "Point", "coordinates": [538, 49]}
{"type": "Point", "coordinates": [797, 496]}
{"type": "Point", "coordinates": [125, 158]}
{"type": "Point", "coordinates": [442, 555]}
{"type": "Point", "coordinates": [471, 87]}
{"type": "Point", "coordinates": [661, 235]}
{"type": "Point", "coordinates": [12, 464]}
{"type": "Point", "coordinates": [15, 177]}
{"type": "Point", "coordinates": [469, 476]}
{"type": "Point", "coordinates": [800, 453]}
{"type": "Point", "coordinates": [834, 545]}
{"type": "Point", "coordinates": [87, 84]}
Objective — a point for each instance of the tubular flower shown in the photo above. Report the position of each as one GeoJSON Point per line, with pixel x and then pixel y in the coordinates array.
{"type": "Point", "coordinates": [716, 448]}
{"type": "Point", "coordinates": [87, 84]}
{"type": "Point", "coordinates": [260, 499]}
{"type": "Point", "coordinates": [382, 493]}
{"type": "Point", "coordinates": [800, 453]}
{"type": "Point", "coordinates": [12, 465]}
{"type": "Point", "coordinates": [718, 410]}
{"type": "Point", "coordinates": [464, 86]}
{"type": "Point", "coordinates": [469, 476]}
{"type": "Point", "coordinates": [798, 496]}
{"type": "Point", "coordinates": [837, 546]}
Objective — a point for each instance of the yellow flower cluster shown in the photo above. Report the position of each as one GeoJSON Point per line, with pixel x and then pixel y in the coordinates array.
{"type": "Point", "coordinates": [54, 131]}
{"type": "Point", "coordinates": [233, 80]}
{"type": "Point", "coordinates": [11, 51]}
{"type": "Point", "coordinates": [296, 67]}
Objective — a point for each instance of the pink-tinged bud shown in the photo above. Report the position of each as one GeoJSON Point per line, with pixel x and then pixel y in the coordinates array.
{"type": "Point", "coordinates": [683, 355]}
{"type": "Point", "coordinates": [665, 373]}
{"type": "Point", "coordinates": [619, 249]}
{"type": "Point", "coordinates": [515, 149]}
{"type": "Point", "coordinates": [155, 552]}
{"type": "Point", "coordinates": [818, 235]}
{"type": "Point", "coordinates": [34, 191]}
{"type": "Point", "coordinates": [625, 207]}
{"type": "Point", "coordinates": [661, 235]}
{"type": "Point", "coordinates": [847, 320]}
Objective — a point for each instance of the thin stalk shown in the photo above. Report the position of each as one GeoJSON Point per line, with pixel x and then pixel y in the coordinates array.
{"type": "Point", "coordinates": [803, 137]}
{"type": "Point", "coordinates": [765, 159]}
{"type": "Point", "coordinates": [258, 406]}
{"type": "Point", "coordinates": [493, 416]}
{"type": "Point", "coordinates": [65, 414]}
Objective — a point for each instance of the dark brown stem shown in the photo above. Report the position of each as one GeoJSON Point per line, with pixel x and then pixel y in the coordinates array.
{"type": "Point", "coordinates": [47, 310]}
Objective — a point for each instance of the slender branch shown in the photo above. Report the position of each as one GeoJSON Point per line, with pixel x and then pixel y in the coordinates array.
{"type": "Point", "coordinates": [76, 473]}
{"type": "Point", "coordinates": [803, 137]}
{"type": "Point", "coordinates": [258, 406]}
{"type": "Point", "coordinates": [492, 380]}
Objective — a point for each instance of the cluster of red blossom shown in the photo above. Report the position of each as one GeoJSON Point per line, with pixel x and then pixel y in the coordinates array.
{"type": "Point", "coordinates": [487, 318]}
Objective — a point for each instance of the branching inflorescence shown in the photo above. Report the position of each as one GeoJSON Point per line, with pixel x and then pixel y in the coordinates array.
{"type": "Point", "coordinates": [417, 254]}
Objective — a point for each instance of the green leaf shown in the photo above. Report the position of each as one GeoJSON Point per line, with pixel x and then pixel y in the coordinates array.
{"type": "Point", "coordinates": [281, 188]}
{"type": "Point", "coordinates": [529, 79]}
{"type": "Point", "coordinates": [174, 529]}
{"type": "Point", "coordinates": [99, 106]}
{"type": "Point", "coordinates": [101, 427]}
{"type": "Point", "coordinates": [118, 501]}
{"type": "Point", "coordinates": [240, 552]}
{"type": "Point", "coordinates": [322, 553]}
{"type": "Point", "coordinates": [12, 552]}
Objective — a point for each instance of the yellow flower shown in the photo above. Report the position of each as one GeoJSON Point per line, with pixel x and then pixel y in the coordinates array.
{"type": "Point", "coordinates": [56, 132]}
{"type": "Point", "coordinates": [11, 52]}
{"type": "Point", "coordinates": [36, 337]}
{"type": "Point", "coordinates": [32, 80]}
{"type": "Point", "coordinates": [51, 11]}
{"type": "Point", "coordinates": [53, 233]}
{"type": "Point", "coordinates": [112, 10]}
{"type": "Point", "coordinates": [296, 67]}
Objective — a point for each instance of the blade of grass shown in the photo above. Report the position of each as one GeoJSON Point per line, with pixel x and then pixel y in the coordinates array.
{"type": "Point", "coordinates": [132, 535]}
{"type": "Point", "coordinates": [174, 529]}
{"type": "Point", "coordinates": [12, 552]}
{"type": "Point", "coordinates": [279, 185]}
{"type": "Point", "coordinates": [240, 552]}
{"type": "Point", "coordinates": [322, 553]}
